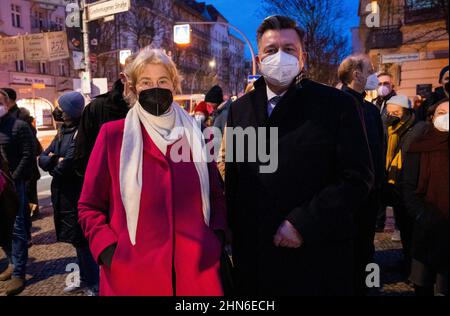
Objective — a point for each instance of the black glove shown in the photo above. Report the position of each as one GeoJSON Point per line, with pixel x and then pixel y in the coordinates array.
{"type": "Point", "coordinates": [107, 255]}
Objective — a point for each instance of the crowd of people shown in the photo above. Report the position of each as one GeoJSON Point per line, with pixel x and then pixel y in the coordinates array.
{"type": "Point", "coordinates": [158, 226]}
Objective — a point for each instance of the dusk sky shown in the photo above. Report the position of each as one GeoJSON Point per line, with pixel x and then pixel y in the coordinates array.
{"type": "Point", "coordinates": [246, 15]}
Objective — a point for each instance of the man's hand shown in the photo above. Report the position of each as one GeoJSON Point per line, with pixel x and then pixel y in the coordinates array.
{"type": "Point", "coordinates": [287, 236]}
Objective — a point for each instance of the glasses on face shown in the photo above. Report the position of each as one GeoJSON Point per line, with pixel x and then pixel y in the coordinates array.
{"type": "Point", "coordinates": [163, 83]}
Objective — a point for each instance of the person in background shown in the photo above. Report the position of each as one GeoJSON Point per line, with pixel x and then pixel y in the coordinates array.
{"type": "Point", "coordinates": [417, 102]}
{"type": "Point", "coordinates": [439, 94]}
{"type": "Point", "coordinates": [31, 184]}
{"type": "Point", "coordinates": [385, 91]}
{"type": "Point", "coordinates": [18, 147]}
{"type": "Point", "coordinates": [220, 115]}
{"type": "Point", "coordinates": [425, 183]}
{"type": "Point", "coordinates": [9, 203]}
{"type": "Point", "coordinates": [402, 130]}
{"type": "Point", "coordinates": [108, 107]}
{"type": "Point", "coordinates": [58, 160]}
{"type": "Point", "coordinates": [357, 75]}
{"type": "Point", "coordinates": [204, 110]}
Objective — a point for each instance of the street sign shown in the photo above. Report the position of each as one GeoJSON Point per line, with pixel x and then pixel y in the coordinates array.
{"type": "Point", "coordinates": [108, 18]}
{"type": "Point", "coordinates": [400, 58]}
{"type": "Point", "coordinates": [106, 8]}
{"type": "Point", "coordinates": [123, 55]}
{"type": "Point", "coordinates": [182, 34]}
{"type": "Point", "coordinates": [59, 3]}
{"type": "Point", "coordinates": [93, 58]}
{"type": "Point", "coordinates": [85, 83]}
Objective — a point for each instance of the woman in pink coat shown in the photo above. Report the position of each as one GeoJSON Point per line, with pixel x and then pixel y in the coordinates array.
{"type": "Point", "coordinates": [151, 205]}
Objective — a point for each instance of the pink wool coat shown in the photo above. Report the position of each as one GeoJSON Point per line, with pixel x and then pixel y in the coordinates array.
{"type": "Point", "coordinates": [176, 253]}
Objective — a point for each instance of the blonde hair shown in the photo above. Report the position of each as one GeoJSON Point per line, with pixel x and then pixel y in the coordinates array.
{"type": "Point", "coordinates": [152, 56]}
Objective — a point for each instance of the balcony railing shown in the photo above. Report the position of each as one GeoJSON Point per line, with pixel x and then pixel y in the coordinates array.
{"type": "Point", "coordinates": [427, 14]}
{"type": "Point", "coordinates": [385, 37]}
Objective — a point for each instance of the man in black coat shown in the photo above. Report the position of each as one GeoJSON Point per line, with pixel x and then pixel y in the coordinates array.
{"type": "Point", "coordinates": [292, 218]}
{"type": "Point", "coordinates": [18, 147]}
{"type": "Point", "coordinates": [354, 72]}
{"type": "Point", "coordinates": [105, 108]}
{"type": "Point", "coordinates": [31, 184]}
{"type": "Point", "coordinates": [385, 91]}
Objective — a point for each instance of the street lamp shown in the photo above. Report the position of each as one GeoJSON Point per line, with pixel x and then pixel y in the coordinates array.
{"type": "Point", "coordinates": [182, 31]}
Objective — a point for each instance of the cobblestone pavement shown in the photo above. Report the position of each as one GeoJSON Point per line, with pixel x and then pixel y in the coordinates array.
{"type": "Point", "coordinates": [48, 260]}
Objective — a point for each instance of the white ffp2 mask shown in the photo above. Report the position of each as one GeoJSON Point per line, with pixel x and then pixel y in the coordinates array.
{"type": "Point", "coordinates": [441, 123]}
{"type": "Point", "coordinates": [383, 91]}
{"type": "Point", "coordinates": [372, 82]}
{"type": "Point", "coordinates": [280, 69]}
{"type": "Point", "coordinates": [3, 110]}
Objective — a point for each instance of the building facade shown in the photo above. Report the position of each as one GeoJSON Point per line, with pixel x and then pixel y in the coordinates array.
{"type": "Point", "coordinates": [411, 41]}
{"type": "Point", "coordinates": [20, 17]}
{"type": "Point", "coordinates": [214, 56]}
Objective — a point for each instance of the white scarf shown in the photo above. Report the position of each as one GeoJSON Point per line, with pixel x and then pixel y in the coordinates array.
{"type": "Point", "coordinates": [164, 130]}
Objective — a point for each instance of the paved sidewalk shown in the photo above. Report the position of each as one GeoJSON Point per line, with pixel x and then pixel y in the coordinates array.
{"type": "Point", "coordinates": [49, 259]}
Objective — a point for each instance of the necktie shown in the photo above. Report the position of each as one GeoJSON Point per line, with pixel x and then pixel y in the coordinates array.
{"type": "Point", "coordinates": [273, 103]}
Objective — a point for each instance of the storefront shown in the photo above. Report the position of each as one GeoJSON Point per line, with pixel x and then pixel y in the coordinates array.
{"type": "Point", "coordinates": [41, 109]}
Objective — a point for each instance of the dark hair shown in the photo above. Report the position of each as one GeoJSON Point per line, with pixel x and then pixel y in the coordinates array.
{"type": "Point", "coordinates": [385, 74]}
{"type": "Point", "coordinates": [432, 109]}
{"type": "Point", "coordinates": [11, 93]}
{"type": "Point", "coordinates": [279, 22]}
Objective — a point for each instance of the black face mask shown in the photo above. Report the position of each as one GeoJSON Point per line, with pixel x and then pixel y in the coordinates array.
{"type": "Point", "coordinates": [57, 115]}
{"type": "Point", "coordinates": [156, 101]}
{"type": "Point", "coordinates": [392, 120]}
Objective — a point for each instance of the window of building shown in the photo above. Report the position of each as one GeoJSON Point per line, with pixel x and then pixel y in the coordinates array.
{"type": "Point", "coordinates": [62, 70]}
{"type": "Point", "coordinates": [59, 23]}
{"type": "Point", "coordinates": [43, 68]}
{"type": "Point", "coordinates": [15, 15]}
{"type": "Point", "coordinates": [20, 66]}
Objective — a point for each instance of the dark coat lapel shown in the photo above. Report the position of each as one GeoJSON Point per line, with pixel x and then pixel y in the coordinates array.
{"type": "Point", "coordinates": [259, 102]}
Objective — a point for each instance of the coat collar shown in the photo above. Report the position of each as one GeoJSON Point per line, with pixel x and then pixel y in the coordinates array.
{"type": "Point", "coordinates": [260, 101]}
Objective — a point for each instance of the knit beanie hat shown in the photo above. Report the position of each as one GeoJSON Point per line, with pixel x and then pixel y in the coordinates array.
{"type": "Point", "coordinates": [72, 103]}
{"type": "Point", "coordinates": [401, 100]}
{"type": "Point", "coordinates": [215, 95]}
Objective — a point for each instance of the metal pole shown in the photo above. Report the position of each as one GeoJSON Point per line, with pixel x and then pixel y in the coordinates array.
{"type": "Point", "coordinates": [252, 52]}
{"type": "Point", "coordinates": [85, 31]}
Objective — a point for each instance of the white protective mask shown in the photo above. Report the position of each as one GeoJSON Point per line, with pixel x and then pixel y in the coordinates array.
{"type": "Point", "coordinates": [372, 82]}
{"type": "Point", "coordinates": [383, 91]}
{"type": "Point", "coordinates": [441, 123]}
{"type": "Point", "coordinates": [280, 69]}
{"type": "Point", "coordinates": [3, 110]}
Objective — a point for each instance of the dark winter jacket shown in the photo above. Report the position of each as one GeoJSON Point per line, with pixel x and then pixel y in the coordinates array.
{"type": "Point", "coordinates": [19, 147]}
{"type": "Point", "coordinates": [9, 203]}
{"type": "Point", "coordinates": [431, 227]}
{"type": "Point", "coordinates": [436, 96]}
{"type": "Point", "coordinates": [17, 113]}
{"type": "Point", "coordinates": [104, 108]}
{"type": "Point", "coordinates": [66, 185]}
{"type": "Point", "coordinates": [324, 174]}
